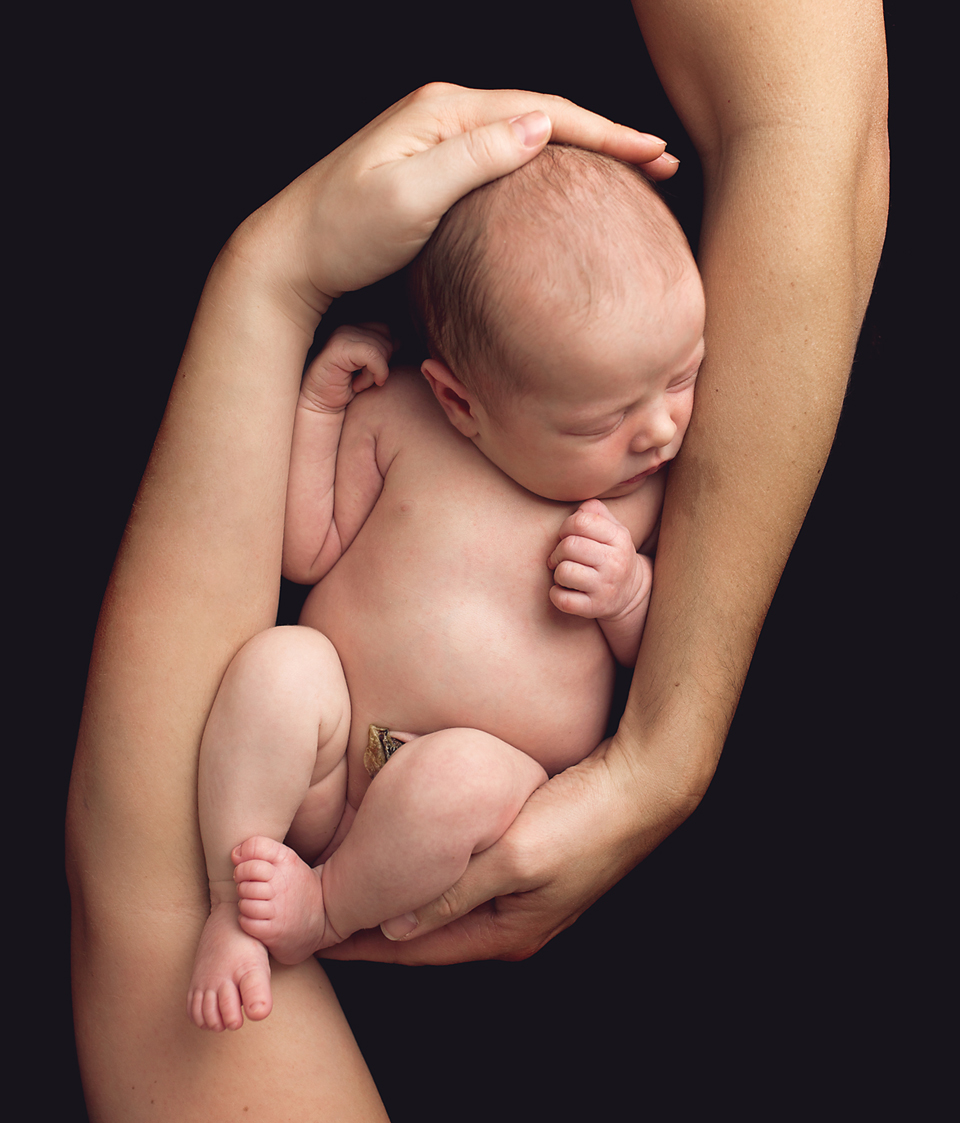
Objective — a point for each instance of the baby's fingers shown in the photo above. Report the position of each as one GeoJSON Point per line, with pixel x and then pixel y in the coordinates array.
{"type": "Point", "coordinates": [379, 334]}
{"type": "Point", "coordinates": [373, 343]}
{"type": "Point", "coordinates": [577, 585]}
{"type": "Point", "coordinates": [573, 602]}
{"type": "Point", "coordinates": [352, 360]}
{"type": "Point", "coordinates": [573, 548]}
{"type": "Point", "coordinates": [373, 374]}
{"type": "Point", "coordinates": [593, 520]}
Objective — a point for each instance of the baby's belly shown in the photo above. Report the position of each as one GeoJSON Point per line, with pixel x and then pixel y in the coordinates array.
{"type": "Point", "coordinates": [425, 654]}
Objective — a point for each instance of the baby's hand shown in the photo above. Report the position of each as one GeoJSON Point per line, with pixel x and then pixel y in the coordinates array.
{"type": "Point", "coordinates": [353, 359]}
{"type": "Point", "coordinates": [596, 568]}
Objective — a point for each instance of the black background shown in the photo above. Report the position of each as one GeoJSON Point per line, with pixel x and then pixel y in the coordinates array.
{"type": "Point", "coordinates": [756, 962]}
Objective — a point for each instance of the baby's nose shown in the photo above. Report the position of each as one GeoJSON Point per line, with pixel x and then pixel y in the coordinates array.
{"type": "Point", "coordinates": [657, 432]}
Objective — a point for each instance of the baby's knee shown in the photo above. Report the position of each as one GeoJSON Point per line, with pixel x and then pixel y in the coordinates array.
{"type": "Point", "coordinates": [288, 641]}
{"type": "Point", "coordinates": [465, 773]}
{"type": "Point", "coordinates": [288, 654]}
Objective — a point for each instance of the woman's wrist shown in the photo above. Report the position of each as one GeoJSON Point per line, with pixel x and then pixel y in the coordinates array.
{"type": "Point", "coordinates": [660, 762]}
{"type": "Point", "coordinates": [260, 261]}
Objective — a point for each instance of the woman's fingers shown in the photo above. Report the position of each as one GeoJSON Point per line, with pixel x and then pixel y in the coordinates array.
{"type": "Point", "coordinates": [365, 210]}
{"type": "Point", "coordinates": [439, 111]}
{"type": "Point", "coordinates": [662, 168]}
{"type": "Point", "coordinates": [440, 175]}
{"type": "Point", "coordinates": [559, 855]}
{"type": "Point", "coordinates": [478, 918]}
{"type": "Point", "coordinates": [480, 149]}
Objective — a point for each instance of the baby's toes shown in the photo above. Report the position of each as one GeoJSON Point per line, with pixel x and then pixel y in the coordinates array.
{"type": "Point", "coordinates": [227, 999]}
{"type": "Point", "coordinates": [255, 884]}
{"type": "Point", "coordinates": [255, 994]}
{"type": "Point", "coordinates": [258, 846]}
{"type": "Point", "coordinates": [209, 1012]}
{"type": "Point", "coordinates": [254, 871]}
{"type": "Point", "coordinates": [260, 923]}
{"type": "Point", "coordinates": [195, 1008]}
{"type": "Point", "coordinates": [254, 909]}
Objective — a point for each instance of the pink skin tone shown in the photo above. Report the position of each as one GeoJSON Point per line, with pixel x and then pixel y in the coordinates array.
{"type": "Point", "coordinates": [274, 760]}
{"type": "Point", "coordinates": [592, 427]}
{"type": "Point", "coordinates": [453, 797]}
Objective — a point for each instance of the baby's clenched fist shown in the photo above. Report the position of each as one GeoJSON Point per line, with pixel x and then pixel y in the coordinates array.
{"type": "Point", "coordinates": [598, 574]}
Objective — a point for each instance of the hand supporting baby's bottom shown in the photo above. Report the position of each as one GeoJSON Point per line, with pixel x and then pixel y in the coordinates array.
{"type": "Point", "coordinates": [436, 802]}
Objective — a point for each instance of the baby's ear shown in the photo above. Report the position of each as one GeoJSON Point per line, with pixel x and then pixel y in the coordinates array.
{"type": "Point", "coordinates": [455, 399]}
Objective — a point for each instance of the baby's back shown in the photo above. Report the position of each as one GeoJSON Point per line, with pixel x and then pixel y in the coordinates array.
{"type": "Point", "coordinates": [440, 606]}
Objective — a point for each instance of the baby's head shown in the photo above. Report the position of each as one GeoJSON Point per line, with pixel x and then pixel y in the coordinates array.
{"type": "Point", "coordinates": [564, 316]}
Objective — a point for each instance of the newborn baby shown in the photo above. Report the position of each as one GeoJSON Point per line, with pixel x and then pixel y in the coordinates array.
{"type": "Point", "coordinates": [478, 538]}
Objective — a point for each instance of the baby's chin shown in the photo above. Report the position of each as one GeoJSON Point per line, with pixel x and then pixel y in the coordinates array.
{"type": "Point", "coordinates": [618, 492]}
{"type": "Point", "coordinates": [573, 494]}
{"type": "Point", "coordinates": [565, 496]}
{"type": "Point", "coordinates": [628, 487]}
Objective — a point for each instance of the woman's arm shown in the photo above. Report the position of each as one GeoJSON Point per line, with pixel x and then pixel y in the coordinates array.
{"type": "Point", "coordinates": [198, 574]}
{"type": "Point", "coordinates": [786, 103]}
{"type": "Point", "coordinates": [788, 257]}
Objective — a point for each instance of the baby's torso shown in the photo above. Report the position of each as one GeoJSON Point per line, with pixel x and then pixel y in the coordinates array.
{"type": "Point", "coordinates": [439, 608]}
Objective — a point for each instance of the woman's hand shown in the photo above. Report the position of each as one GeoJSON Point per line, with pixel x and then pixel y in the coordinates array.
{"type": "Point", "coordinates": [366, 209]}
{"type": "Point", "coordinates": [574, 838]}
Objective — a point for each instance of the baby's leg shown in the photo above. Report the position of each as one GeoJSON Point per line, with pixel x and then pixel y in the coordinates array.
{"type": "Point", "coordinates": [438, 800]}
{"type": "Point", "coordinates": [276, 735]}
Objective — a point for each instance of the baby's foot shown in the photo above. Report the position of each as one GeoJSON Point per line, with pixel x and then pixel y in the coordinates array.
{"type": "Point", "coordinates": [231, 969]}
{"type": "Point", "coordinates": [281, 902]}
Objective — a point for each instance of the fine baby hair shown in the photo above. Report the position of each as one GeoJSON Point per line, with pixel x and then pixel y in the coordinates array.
{"type": "Point", "coordinates": [567, 231]}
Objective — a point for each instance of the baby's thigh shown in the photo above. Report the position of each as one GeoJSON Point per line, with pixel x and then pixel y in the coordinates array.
{"type": "Point", "coordinates": [464, 781]}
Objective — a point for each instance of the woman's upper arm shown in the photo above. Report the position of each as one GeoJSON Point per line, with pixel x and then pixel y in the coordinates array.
{"type": "Point", "coordinates": [790, 97]}
{"type": "Point", "coordinates": [732, 66]}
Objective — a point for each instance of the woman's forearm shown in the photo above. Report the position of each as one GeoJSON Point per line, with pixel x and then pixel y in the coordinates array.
{"type": "Point", "coordinates": [787, 107]}
{"type": "Point", "coordinates": [197, 572]}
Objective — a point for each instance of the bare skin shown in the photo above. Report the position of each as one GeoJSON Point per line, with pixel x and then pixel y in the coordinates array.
{"type": "Point", "coordinates": [168, 631]}
{"type": "Point", "coordinates": [429, 601]}
{"type": "Point", "coordinates": [450, 795]}
{"type": "Point", "coordinates": [197, 577]}
{"type": "Point", "coordinates": [767, 92]}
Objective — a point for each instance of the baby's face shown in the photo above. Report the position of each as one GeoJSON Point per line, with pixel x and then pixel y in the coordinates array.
{"type": "Point", "coordinates": [608, 404]}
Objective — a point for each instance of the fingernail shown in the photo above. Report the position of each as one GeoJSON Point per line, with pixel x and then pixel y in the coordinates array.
{"type": "Point", "coordinates": [655, 139]}
{"type": "Point", "coordinates": [399, 926]}
{"type": "Point", "coordinates": [531, 128]}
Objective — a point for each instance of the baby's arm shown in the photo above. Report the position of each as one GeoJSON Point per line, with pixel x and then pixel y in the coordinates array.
{"type": "Point", "coordinates": [599, 574]}
{"type": "Point", "coordinates": [353, 359]}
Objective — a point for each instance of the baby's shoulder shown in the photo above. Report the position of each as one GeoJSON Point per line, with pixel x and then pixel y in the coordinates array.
{"type": "Point", "coordinates": [402, 415]}
{"type": "Point", "coordinates": [406, 389]}
{"type": "Point", "coordinates": [404, 401]}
